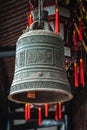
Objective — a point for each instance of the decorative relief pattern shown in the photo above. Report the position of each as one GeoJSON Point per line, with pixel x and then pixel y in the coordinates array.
{"type": "Point", "coordinates": [34, 56]}
{"type": "Point", "coordinates": [21, 59]}
{"type": "Point", "coordinates": [16, 62]}
{"type": "Point", "coordinates": [59, 76]}
{"type": "Point", "coordinates": [39, 56]}
{"type": "Point", "coordinates": [37, 84]}
{"type": "Point", "coordinates": [59, 59]}
{"type": "Point", "coordinates": [36, 39]}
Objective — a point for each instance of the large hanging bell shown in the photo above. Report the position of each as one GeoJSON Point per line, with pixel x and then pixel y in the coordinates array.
{"type": "Point", "coordinates": [40, 75]}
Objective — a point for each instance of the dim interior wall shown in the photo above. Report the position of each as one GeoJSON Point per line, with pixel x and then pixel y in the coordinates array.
{"type": "Point", "coordinates": [80, 117]}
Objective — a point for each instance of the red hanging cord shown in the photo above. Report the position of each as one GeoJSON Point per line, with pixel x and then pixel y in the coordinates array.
{"type": "Point", "coordinates": [76, 75]}
{"type": "Point", "coordinates": [39, 116]}
{"type": "Point", "coordinates": [60, 110]}
{"type": "Point", "coordinates": [82, 72]}
{"type": "Point", "coordinates": [30, 19]}
{"type": "Point", "coordinates": [74, 37]}
{"type": "Point", "coordinates": [80, 29]}
{"type": "Point", "coordinates": [30, 15]}
{"type": "Point", "coordinates": [46, 110]}
{"type": "Point", "coordinates": [28, 110]}
{"type": "Point", "coordinates": [57, 112]}
{"type": "Point", "coordinates": [57, 19]}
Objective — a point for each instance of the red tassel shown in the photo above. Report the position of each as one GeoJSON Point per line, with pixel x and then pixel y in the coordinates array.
{"type": "Point", "coordinates": [26, 116]}
{"type": "Point", "coordinates": [46, 110]}
{"type": "Point", "coordinates": [28, 111]}
{"type": "Point", "coordinates": [57, 19]}
{"type": "Point", "coordinates": [80, 29]}
{"type": "Point", "coordinates": [76, 75]}
{"type": "Point", "coordinates": [74, 38]}
{"type": "Point", "coordinates": [39, 116]}
{"type": "Point", "coordinates": [30, 15]}
{"type": "Point", "coordinates": [30, 19]}
{"type": "Point", "coordinates": [57, 113]}
{"type": "Point", "coordinates": [82, 72]}
{"type": "Point", "coordinates": [60, 111]}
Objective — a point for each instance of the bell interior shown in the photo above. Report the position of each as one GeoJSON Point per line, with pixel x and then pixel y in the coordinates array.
{"type": "Point", "coordinates": [41, 97]}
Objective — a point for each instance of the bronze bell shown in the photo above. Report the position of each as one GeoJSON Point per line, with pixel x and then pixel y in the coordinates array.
{"type": "Point", "coordinates": [40, 75]}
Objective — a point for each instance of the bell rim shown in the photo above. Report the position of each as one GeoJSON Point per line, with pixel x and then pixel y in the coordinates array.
{"type": "Point", "coordinates": [69, 95]}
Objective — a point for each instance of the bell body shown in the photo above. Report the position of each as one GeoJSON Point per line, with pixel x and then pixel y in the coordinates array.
{"type": "Point", "coordinates": [40, 75]}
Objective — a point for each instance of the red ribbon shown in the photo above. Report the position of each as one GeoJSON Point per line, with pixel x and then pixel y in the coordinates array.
{"type": "Point", "coordinates": [27, 111]}
{"type": "Point", "coordinates": [29, 17]}
{"type": "Point", "coordinates": [57, 19]}
{"type": "Point", "coordinates": [60, 111]}
{"type": "Point", "coordinates": [39, 116]}
{"type": "Point", "coordinates": [74, 38]}
{"type": "Point", "coordinates": [46, 110]}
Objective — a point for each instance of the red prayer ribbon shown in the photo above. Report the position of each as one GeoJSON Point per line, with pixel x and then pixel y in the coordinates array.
{"type": "Point", "coordinates": [39, 116]}
{"type": "Point", "coordinates": [57, 19]}
{"type": "Point", "coordinates": [74, 38]}
{"type": "Point", "coordinates": [60, 111]}
{"type": "Point", "coordinates": [46, 110]}
{"type": "Point", "coordinates": [28, 111]}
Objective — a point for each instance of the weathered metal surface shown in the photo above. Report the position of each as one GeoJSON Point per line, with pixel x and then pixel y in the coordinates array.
{"type": "Point", "coordinates": [40, 75]}
{"type": "Point", "coordinates": [40, 68]}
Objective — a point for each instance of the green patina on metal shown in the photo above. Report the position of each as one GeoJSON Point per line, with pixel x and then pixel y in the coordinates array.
{"type": "Point", "coordinates": [40, 67]}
